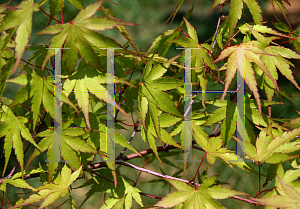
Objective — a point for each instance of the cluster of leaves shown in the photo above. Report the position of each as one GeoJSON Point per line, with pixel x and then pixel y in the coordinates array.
{"type": "Point", "coordinates": [160, 104]}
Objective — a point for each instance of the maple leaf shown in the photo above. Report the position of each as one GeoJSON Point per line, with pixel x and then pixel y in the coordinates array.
{"type": "Point", "coordinates": [274, 56]}
{"type": "Point", "coordinates": [200, 197]}
{"type": "Point", "coordinates": [227, 113]}
{"type": "Point", "coordinates": [236, 9]}
{"type": "Point", "coordinates": [52, 191]}
{"type": "Point", "coordinates": [118, 201]}
{"type": "Point", "coordinates": [78, 35]}
{"type": "Point", "coordinates": [13, 128]}
{"type": "Point", "coordinates": [83, 82]}
{"type": "Point", "coordinates": [273, 149]}
{"type": "Point", "coordinates": [20, 18]}
{"type": "Point", "coordinates": [70, 145]}
{"type": "Point", "coordinates": [40, 89]}
{"type": "Point", "coordinates": [289, 197]}
{"type": "Point", "coordinates": [17, 182]}
{"type": "Point", "coordinates": [151, 98]}
{"type": "Point", "coordinates": [200, 56]}
{"type": "Point", "coordinates": [250, 55]}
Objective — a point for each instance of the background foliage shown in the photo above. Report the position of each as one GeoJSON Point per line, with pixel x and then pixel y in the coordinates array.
{"type": "Point", "coordinates": [26, 115]}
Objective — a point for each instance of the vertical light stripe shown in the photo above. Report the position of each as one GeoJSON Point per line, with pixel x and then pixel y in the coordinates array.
{"type": "Point", "coordinates": [188, 105]}
{"type": "Point", "coordinates": [57, 108]}
{"type": "Point", "coordinates": [240, 104]}
{"type": "Point", "coordinates": [110, 117]}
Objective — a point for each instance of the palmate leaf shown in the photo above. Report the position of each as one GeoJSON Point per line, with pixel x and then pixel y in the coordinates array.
{"type": "Point", "coordinates": [71, 144]}
{"type": "Point", "coordinates": [235, 12]}
{"type": "Point", "coordinates": [52, 191]}
{"type": "Point", "coordinates": [118, 201]}
{"type": "Point", "coordinates": [200, 57]}
{"type": "Point", "coordinates": [87, 80]}
{"type": "Point", "coordinates": [202, 197]}
{"type": "Point", "coordinates": [274, 149]}
{"type": "Point", "coordinates": [20, 18]}
{"type": "Point", "coordinates": [274, 56]}
{"type": "Point", "coordinates": [150, 99]}
{"type": "Point", "coordinates": [227, 112]}
{"type": "Point", "coordinates": [276, 59]}
{"type": "Point", "coordinates": [250, 55]}
{"type": "Point", "coordinates": [40, 90]}
{"type": "Point", "coordinates": [80, 37]}
{"type": "Point", "coordinates": [17, 182]}
{"type": "Point", "coordinates": [289, 197]}
{"type": "Point", "coordinates": [13, 127]}
{"type": "Point", "coordinates": [213, 148]}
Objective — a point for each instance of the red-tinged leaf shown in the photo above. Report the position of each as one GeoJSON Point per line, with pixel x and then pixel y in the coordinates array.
{"type": "Point", "coordinates": [225, 53]}
{"type": "Point", "coordinates": [285, 137]}
{"type": "Point", "coordinates": [251, 82]}
{"type": "Point", "coordinates": [282, 64]}
{"type": "Point", "coordinates": [191, 31]}
{"type": "Point", "coordinates": [79, 33]}
{"type": "Point", "coordinates": [289, 197]}
{"type": "Point", "coordinates": [230, 71]}
{"type": "Point", "coordinates": [52, 191]}
{"type": "Point", "coordinates": [202, 197]}
{"type": "Point", "coordinates": [215, 4]}
{"type": "Point", "coordinates": [285, 52]}
{"type": "Point", "coordinates": [277, 201]}
{"type": "Point", "coordinates": [172, 16]}
{"type": "Point", "coordinates": [269, 85]}
{"type": "Point", "coordinates": [251, 56]}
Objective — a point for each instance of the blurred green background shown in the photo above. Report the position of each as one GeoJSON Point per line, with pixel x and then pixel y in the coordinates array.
{"type": "Point", "coordinates": [151, 17]}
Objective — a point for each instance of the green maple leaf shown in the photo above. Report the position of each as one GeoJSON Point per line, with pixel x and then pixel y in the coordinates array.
{"type": "Point", "coordinates": [53, 191]}
{"type": "Point", "coordinates": [273, 149]}
{"type": "Point", "coordinates": [86, 80]}
{"type": "Point", "coordinates": [40, 90]}
{"type": "Point", "coordinates": [151, 98]}
{"type": "Point", "coordinates": [200, 197]}
{"type": "Point", "coordinates": [13, 127]}
{"type": "Point", "coordinates": [71, 145]}
{"type": "Point", "coordinates": [117, 201]}
{"type": "Point", "coordinates": [276, 59]}
{"type": "Point", "coordinates": [17, 182]}
{"type": "Point", "coordinates": [213, 148]}
{"type": "Point", "coordinates": [289, 196]}
{"type": "Point", "coordinates": [200, 56]}
{"type": "Point", "coordinates": [78, 35]}
{"type": "Point", "coordinates": [20, 18]}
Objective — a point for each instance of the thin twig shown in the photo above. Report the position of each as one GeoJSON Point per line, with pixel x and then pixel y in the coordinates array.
{"type": "Point", "coordinates": [156, 174]}
{"type": "Point", "coordinates": [132, 135]}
